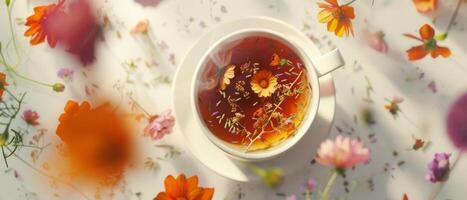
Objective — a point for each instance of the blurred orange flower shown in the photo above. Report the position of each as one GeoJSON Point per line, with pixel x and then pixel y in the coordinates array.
{"type": "Point", "coordinates": [3, 83]}
{"type": "Point", "coordinates": [41, 22]}
{"type": "Point", "coordinates": [182, 188]}
{"type": "Point", "coordinates": [97, 141]}
{"type": "Point", "coordinates": [429, 46]}
{"type": "Point", "coordinates": [425, 6]}
{"type": "Point", "coordinates": [337, 17]}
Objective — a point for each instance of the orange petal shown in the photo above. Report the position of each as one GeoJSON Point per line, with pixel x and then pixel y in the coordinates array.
{"type": "Point", "coordinates": [443, 51]}
{"type": "Point", "coordinates": [427, 32]}
{"type": "Point", "coordinates": [207, 194]}
{"type": "Point", "coordinates": [171, 187]}
{"type": "Point", "coordinates": [195, 194]}
{"type": "Point", "coordinates": [38, 38]}
{"type": "Point", "coordinates": [31, 31]}
{"type": "Point", "coordinates": [162, 196]}
{"type": "Point", "coordinates": [416, 53]}
{"type": "Point", "coordinates": [332, 2]}
{"type": "Point", "coordinates": [348, 11]}
{"type": "Point", "coordinates": [192, 183]}
{"type": "Point", "coordinates": [182, 184]}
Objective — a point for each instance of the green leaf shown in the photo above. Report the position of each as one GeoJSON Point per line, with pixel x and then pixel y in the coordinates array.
{"type": "Point", "coordinates": [0, 46]}
{"type": "Point", "coordinates": [7, 2]}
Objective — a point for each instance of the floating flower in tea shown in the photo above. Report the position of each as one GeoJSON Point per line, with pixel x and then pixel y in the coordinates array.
{"type": "Point", "coordinates": [253, 92]}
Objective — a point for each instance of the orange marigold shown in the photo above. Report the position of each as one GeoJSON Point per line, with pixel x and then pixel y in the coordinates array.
{"type": "Point", "coordinates": [97, 141]}
{"type": "Point", "coordinates": [3, 83]}
{"type": "Point", "coordinates": [339, 18]}
{"type": "Point", "coordinates": [41, 22]}
{"type": "Point", "coordinates": [182, 188]}
{"type": "Point", "coordinates": [429, 46]}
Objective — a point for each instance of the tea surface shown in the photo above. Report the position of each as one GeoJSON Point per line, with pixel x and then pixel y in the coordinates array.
{"type": "Point", "coordinates": [253, 93]}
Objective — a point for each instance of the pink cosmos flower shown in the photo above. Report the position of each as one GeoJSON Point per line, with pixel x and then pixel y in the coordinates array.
{"type": "Point", "coordinates": [342, 153]}
{"type": "Point", "coordinates": [160, 125]}
{"type": "Point", "coordinates": [30, 117]}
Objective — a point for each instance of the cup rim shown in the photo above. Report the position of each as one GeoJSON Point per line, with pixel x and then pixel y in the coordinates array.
{"type": "Point", "coordinates": [305, 124]}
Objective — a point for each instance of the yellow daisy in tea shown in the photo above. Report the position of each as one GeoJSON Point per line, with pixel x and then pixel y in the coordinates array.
{"type": "Point", "coordinates": [263, 83]}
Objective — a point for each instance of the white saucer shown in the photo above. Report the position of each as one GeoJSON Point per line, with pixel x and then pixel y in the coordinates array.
{"type": "Point", "coordinates": [210, 155]}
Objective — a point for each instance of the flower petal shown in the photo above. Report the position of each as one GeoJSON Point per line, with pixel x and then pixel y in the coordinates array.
{"type": "Point", "coordinates": [443, 51]}
{"type": "Point", "coordinates": [427, 32]}
{"type": "Point", "coordinates": [171, 187]}
{"type": "Point", "coordinates": [416, 53]}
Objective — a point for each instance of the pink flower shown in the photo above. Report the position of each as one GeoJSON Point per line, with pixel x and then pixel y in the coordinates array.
{"type": "Point", "coordinates": [342, 153]}
{"type": "Point", "coordinates": [376, 41]}
{"type": "Point", "coordinates": [30, 117]}
{"type": "Point", "coordinates": [160, 125]}
{"type": "Point", "coordinates": [65, 73]}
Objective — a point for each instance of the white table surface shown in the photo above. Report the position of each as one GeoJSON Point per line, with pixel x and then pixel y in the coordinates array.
{"type": "Point", "coordinates": [179, 23]}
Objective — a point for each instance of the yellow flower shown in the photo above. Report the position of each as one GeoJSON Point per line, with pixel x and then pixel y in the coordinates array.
{"type": "Point", "coordinates": [228, 74]}
{"type": "Point", "coordinates": [263, 83]}
{"type": "Point", "coordinates": [339, 18]}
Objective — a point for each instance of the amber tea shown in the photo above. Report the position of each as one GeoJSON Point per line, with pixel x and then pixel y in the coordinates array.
{"type": "Point", "coordinates": [253, 92]}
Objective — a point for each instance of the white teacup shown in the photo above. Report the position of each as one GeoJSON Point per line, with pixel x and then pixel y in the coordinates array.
{"type": "Point", "coordinates": [315, 67]}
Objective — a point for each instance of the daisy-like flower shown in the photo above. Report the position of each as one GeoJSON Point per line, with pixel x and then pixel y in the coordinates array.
{"type": "Point", "coordinates": [160, 125]}
{"type": "Point", "coordinates": [3, 83]}
{"type": "Point", "coordinates": [263, 83]}
{"type": "Point", "coordinates": [42, 22]}
{"type": "Point", "coordinates": [30, 117]}
{"type": "Point", "coordinates": [429, 46]}
{"type": "Point", "coordinates": [338, 18]}
{"type": "Point", "coordinates": [425, 6]}
{"type": "Point", "coordinates": [438, 169]}
{"type": "Point", "coordinates": [342, 153]}
{"type": "Point", "coordinates": [182, 188]}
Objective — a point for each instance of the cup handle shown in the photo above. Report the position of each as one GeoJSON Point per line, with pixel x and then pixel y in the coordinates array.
{"type": "Point", "coordinates": [329, 62]}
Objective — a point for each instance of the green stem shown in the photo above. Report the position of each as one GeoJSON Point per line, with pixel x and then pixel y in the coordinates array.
{"type": "Point", "coordinates": [13, 37]}
{"type": "Point", "coordinates": [349, 2]}
{"type": "Point", "coordinates": [325, 194]}
{"type": "Point", "coordinates": [141, 107]}
{"type": "Point", "coordinates": [453, 17]}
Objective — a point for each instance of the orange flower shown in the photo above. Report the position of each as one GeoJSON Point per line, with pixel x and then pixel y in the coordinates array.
{"type": "Point", "coordinates": [141, 27]}
{"type": "Point", "coordinates": [263, 83]}
{"type": "Point", "coordinates": [337, 17]}
{"type": "Point", "coordinates": [425, 6]}
{"type": "Point", "coordinates": [182, 188]}
{"type": "Point", "coordinates": [3, 83]}
{"type": "Point", "coordinates": [41, 23]}
{"type": "Point", "coordinates": [429, 46]}
{"type": "Point", "coordinates": [97, 140]}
